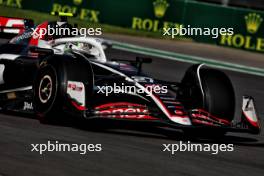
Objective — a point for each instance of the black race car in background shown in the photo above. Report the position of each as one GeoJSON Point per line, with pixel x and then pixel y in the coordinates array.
{"type": "Point", "coordinates": [10, 26]}
{"type": "Point", "coordinates": [72, 75]}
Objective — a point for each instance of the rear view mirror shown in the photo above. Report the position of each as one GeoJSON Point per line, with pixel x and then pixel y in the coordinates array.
{"type": "Point", "coordinates": [144, 60]}
{"type": "Point", "coordinates": [45, 51]}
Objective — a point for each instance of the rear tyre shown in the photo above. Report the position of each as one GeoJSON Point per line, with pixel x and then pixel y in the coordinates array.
{"type": "Point", "coordinates": [45, 94]}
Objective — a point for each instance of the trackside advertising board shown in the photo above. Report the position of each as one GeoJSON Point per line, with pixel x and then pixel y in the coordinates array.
{"type": "Point", "coordinates": [154, 15]}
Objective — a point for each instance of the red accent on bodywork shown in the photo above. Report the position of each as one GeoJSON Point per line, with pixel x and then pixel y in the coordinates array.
{"type": "Point", "coordinates": [35, 39]}
{"type": "Point", "coordinates": [202, 114]}
{"type": "Point", "coordinates": [166, 109]}
{"type": "Point", "coordinates": [132, 117]}
{"type": "Point", "coordinates": [124, 110]}
{"type": "Point", "coordinates": [77, 106]}
{"type": "Point", "coordinates": [203, 122]}
{"type": "Point", "coordinates": [74, 87]}
{"type": "Point", "coordinates": [255, 124]}
{"type": "Point", "coordinates": [4, 21]}
{"type": "Point", "coordinates": [109, 105]}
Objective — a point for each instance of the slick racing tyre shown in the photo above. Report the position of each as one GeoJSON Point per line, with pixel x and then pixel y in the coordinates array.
{"type": "Point", "coordinates": [45, 93]}
{"type": "Point", "coordinates": [210, 90]}
{"type": "Point", "coordinates": [219, 94]}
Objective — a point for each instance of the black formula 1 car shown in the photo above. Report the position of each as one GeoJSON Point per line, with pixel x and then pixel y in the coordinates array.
{"type": "Point", "coordinates": [10, 26]}
{"type": "Point", "coordinates": [72, 75]}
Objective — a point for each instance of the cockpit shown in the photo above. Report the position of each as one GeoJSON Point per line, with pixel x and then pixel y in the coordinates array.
{"type": "Point", "coordinates": [89, 47]}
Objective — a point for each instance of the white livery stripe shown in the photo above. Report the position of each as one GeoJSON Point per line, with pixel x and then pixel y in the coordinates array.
{"type": "Point", "coordinates": [9, 56]}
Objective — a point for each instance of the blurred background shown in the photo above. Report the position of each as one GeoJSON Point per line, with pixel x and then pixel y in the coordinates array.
{"type": "Point", "coordinates": [147, 18]}
{"type": "Point", "coordinates": [253, 4]}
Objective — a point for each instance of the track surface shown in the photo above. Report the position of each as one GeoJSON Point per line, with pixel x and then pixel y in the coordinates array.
{"type": "Point", "coordinates": [127, 151]}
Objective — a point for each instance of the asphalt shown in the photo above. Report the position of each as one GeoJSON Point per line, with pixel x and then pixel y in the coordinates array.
{"type": "Point", "coordinates": [130, 151]}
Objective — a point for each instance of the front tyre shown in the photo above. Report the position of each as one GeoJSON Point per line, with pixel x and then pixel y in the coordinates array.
{"type": "Point", "coordinates": [210, 90]}
{"type": "Point", "coordinates": [45, 93]}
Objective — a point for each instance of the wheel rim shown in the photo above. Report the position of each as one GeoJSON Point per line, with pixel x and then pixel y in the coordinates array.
{"type": "Point", "coordinates": [45, 89]}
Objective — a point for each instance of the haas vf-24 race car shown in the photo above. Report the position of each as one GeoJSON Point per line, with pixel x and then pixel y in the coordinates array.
{"type": "Point", "coordinates": [71, 75]}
